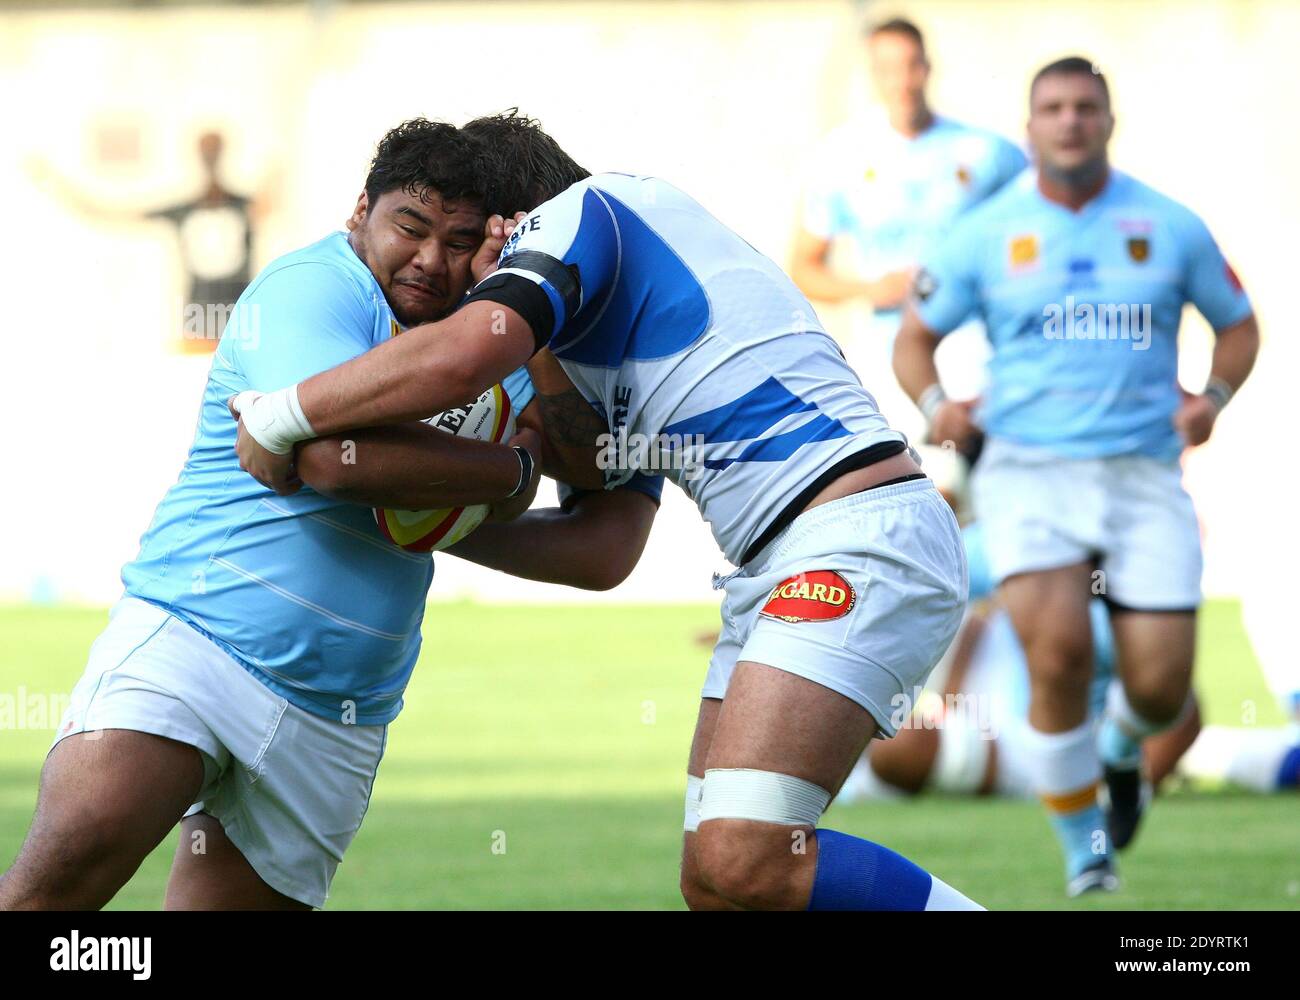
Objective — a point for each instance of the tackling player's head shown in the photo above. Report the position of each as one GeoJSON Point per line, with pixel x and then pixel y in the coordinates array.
{"type": "Point", "coordinates": [420, 218]}
{"type": "Point", "coordinates": [526, 165]}
{"type": "Point", "coordinates": [1070, 121]}
{"type": "Point", "coordinates": [899, 71]}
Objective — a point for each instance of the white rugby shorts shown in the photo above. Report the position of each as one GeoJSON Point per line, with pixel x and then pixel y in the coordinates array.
{"type": "Point", "coordinates": [289, 788]}
{"type": "Point", "coordinates": [861, 595]}
{"type": "Point", "coordinates": [1128, 513]}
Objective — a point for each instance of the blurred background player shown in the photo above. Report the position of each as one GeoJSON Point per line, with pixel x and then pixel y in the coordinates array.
{"type": "Point", "coordinates": [890, 186]}
{"type": "Point", "coordinates": [1080, 274]}
{"type": "Point", "coordinates": [967, 734]}
{"type": "Point", "coordinates": [216, 233]}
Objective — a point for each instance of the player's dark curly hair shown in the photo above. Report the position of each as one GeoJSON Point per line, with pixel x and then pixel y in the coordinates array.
{"type": "Point", "coordinates": [419, 155]}
{"type": "Point", "coordinates": [525, 166]}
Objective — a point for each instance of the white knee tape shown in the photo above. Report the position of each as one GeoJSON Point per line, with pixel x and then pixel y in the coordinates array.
{"type": "Point", "coordinates": [963, 755]}
{"type": "Point", "coordinates": [694, 786]}
{"type": "Point", "coordinates": [741, 793]}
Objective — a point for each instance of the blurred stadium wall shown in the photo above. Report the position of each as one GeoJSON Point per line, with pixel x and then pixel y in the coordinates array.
{"type": "Point", "coordinates": [723, 99]}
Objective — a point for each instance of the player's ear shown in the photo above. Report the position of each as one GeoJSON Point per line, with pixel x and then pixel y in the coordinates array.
{"type": "Point", "coordinates": [359, 213]}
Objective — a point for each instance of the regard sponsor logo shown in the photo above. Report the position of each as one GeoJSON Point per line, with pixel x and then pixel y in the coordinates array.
{"type": "Point", "coordinates": [817, 596]}
{"type": "Point", "coordinates": [1102, 321]}
{"type": "Point", "coordinates": [102, 954]}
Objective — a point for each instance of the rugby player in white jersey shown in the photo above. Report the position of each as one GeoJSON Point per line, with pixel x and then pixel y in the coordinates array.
{"type": "Point", "coordinates": [247, 677]}
{"type": "Point", "coordinates": [1081, 274]}
{"type": "Point", "coordinates": [679, 338]}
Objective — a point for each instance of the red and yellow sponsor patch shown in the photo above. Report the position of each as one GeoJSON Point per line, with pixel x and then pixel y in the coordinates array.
{"type": "Point", "coordinates": [820, 595]}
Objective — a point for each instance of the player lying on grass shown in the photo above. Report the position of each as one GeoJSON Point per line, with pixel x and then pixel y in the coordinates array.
{"type": "Point", "coordinates": [967, 735]}
{"type": "Point", "coordinates": [247, 678]}
{"type": "Point", "coordinates": [695, 354]}
{"type": "Point", "coordinates": [1081, 274]}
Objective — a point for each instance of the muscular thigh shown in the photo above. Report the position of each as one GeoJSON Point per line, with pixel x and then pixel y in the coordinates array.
{"type": "Point", "coordinates": [773, 720]}
{"type": "Point", "coordinates": [1049, 608]}
{"type": "Point", "coordinates": [210, 873]}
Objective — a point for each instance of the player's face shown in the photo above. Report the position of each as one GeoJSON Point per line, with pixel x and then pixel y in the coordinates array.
{"type": "Point", "coordinates": [419, 250]}
{"type": "Point", "coordinates": [899, 72]}
{"type": "Point", "coordinates": [1069, 122]}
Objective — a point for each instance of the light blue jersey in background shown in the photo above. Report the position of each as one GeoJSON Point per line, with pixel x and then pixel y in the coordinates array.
{"type": "Point", "coordinates": [1082, 311]}
{"type": "Point", "coordinates": [897, 198]}
{"type": "Point", "coordinates": [302, 590]}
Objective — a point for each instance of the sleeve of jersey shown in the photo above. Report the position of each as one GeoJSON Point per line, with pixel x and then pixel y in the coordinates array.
{"type": "Point", "coordinates": [562, 258]}
{"type": "Point", "coordinates": [651, 486]}
{"type": "Point", "coordinates": [1212, 285]}
{"type": "Point", "coordinates": [945, 290]}
{"type": "Point", "coordinates": [297, 322]}
{"type": "Point", "coordinates": [519, 387]}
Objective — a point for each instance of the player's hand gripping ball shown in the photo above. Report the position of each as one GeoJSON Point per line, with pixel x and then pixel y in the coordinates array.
{"type": "Point", "coordinates": [488, 418]}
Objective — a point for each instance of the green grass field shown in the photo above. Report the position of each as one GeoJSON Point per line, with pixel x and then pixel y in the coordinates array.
{"type": "Point", "coordinates": [562, 734]}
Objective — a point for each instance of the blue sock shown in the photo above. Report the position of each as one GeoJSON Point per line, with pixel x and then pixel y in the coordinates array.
{"type": "Point", "coordinates": [1117, 748]}
{"type": "Point", "coordinates": [1078, 833]}
{"type": "Point", "coordinates": [855, 874]}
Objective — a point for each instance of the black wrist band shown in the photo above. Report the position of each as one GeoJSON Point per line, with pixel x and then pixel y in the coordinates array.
{"type": "Point", "coordinates": [525, 471]}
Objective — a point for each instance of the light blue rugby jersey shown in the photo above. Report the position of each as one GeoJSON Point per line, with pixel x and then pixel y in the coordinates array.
{"type": "Point", "coordinates": [896, 197]}
{"type": "Point", "coordinates": [982, 586]}
{"type": "Point", "coordinates": [1082, 310]}
{"type": "Point", "coordinates": [302, 590]}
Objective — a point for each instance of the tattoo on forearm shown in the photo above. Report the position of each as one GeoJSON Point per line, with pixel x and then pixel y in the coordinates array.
{"type": "Point", "coordinates": [570, 420]}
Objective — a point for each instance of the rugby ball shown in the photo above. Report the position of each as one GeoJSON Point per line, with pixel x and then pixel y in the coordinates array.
{"type": "Point", "coordinates": [488, 418]}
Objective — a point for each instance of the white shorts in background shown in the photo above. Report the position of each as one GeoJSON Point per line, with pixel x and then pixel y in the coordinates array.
{"type": "Point", "coordinates": [289, 788]}
{"type": "Point", "coordinates": [1128, 513]}
{"type": "Point", "coordinates": [861, 595]}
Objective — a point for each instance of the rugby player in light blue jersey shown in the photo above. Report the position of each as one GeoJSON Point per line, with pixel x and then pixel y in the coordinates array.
{"type": "Point", "coordinates": [887, 187]}
{"type": "Point", "coordinates": [895, 183]}
{"type": "Point", "coordinates": [675, 338]}
{"type": "Point", "coordinates": [1080, 274]}
{"type": "Point", "coordinates": [967, 735]}
{"type": "Point", "coordinates": [247, 678]}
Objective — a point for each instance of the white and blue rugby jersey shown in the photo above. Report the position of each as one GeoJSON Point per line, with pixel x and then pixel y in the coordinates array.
{"type": "Point", "coordinates": [697, 349]}
{"type": "Point", "coordinates": [1082, 311]}
{"type": "Point", "coordinates": [897, 197]}
{"type": "Point", "coordinates": [302, 590]}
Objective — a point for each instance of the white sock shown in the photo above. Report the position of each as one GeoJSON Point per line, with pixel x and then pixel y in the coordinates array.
{"type": "Point", "coordinates": [945, 897]}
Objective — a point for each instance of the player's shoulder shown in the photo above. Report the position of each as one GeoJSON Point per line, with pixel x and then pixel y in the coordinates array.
{"type": "Point", "coordinates": [595, 206]}
{"type": "Point", "coordinates": [973, 140]}
{"type": "Point", "coordinates": [327, 266]}
{"type": "Point", "coordinates": [1010, 204]}
{"type": "Point", "coordinates": [1133, 194]}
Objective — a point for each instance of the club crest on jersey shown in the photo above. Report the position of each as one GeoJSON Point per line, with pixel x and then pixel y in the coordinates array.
{"type": "Point", "coordinates": [821, 595]}
{"type": "Point", "coordinates": [1139, 248]}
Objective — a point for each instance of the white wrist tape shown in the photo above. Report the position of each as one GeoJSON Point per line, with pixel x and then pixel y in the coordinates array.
{"type": "Point", "coordinates": [930, 400]}
{"type": "Point", "coordinates": [274, 419]}
{"type": "Point", "coordinates": [741, 793]}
